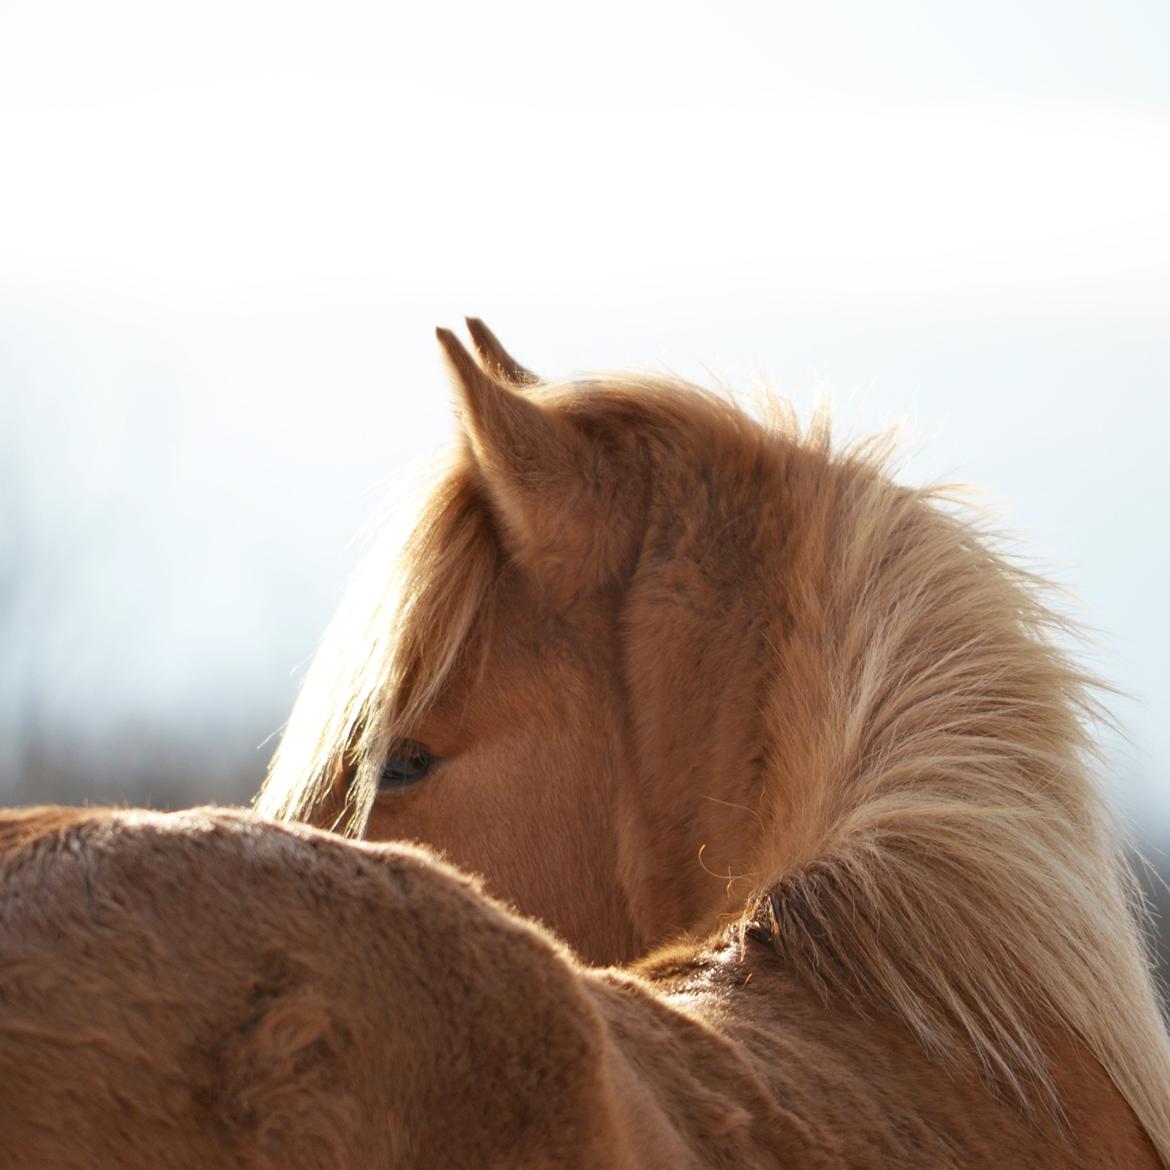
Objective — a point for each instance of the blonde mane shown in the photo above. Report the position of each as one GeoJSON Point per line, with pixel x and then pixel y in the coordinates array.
{"type": "Point", "coordinates": [409, 614]}
{"type": "Point", "coordinates": [950, 856]}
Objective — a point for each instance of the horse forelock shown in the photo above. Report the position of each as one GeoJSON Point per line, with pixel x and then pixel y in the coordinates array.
{"type": "Point", "coordinates": [408, 619]}
{"type": "Point", "coordinates": [955, 861]}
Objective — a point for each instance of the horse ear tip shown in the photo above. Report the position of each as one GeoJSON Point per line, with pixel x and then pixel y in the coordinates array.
{"type": "Point", "coordinates": [452, 346]}
{"type": "Point", "coordinates": [481, 335]}
{"type": "Point", "coordinates": [468, 378]}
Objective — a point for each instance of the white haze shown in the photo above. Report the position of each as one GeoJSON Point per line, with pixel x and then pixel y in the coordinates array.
{"type": "Point", "coordinates": [227, 232]}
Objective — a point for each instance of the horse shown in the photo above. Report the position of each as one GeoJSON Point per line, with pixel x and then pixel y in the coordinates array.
{"type": "Point", "coordinates": [778, 793]}
{"type": "Point", "coordinates": [668, 675]}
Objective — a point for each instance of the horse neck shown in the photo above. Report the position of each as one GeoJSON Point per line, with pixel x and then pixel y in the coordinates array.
{"type": "Point", "coordinates": [915, 668]}
{"type": "Point", "coordinates": [937, 841]}
{"type": "Point", "coordinates": [860, 712]}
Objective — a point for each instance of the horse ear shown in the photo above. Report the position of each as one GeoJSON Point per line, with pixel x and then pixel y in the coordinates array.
{"type": "Point", "coordinates": [495, 358]}
{"type": "Point", "coordinates": [513, 438]}
{"type": "Point", "coordinates": [554, 492]}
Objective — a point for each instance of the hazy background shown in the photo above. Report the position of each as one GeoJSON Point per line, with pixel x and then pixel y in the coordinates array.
{"type": "Point", "coordinates": [227, 231]}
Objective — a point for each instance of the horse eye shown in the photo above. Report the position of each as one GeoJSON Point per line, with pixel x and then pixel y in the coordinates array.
{"type": "Point", "coordinates": [407, 764]}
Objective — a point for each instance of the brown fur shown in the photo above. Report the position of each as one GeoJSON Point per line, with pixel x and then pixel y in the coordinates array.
{"type": "Point", "coordinates": [208, 989]}
{"type": "Point", "coordinates": [731, 675]}
{"type": "Point", "coordinates": [692, 677]}
{"type": "Point", "coordinates": [722, 651]}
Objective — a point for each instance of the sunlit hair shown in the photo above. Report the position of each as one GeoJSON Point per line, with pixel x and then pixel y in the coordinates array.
{"type": "Point", "coordinates": [949, 856]}
{"type": "Point", "coordinates": [406, 622]}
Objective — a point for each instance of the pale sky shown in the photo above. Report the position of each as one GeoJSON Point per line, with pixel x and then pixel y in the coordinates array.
{"type": "Point", "coordinates": [227, 231]}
